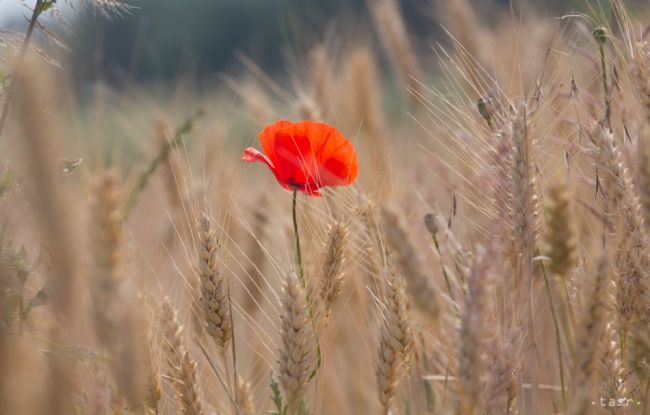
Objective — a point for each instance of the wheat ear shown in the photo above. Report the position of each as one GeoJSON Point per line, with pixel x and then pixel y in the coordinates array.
{"type": "Point", "coordinates": [641, 75]}
{"type": "Point", "coordinates": [244, 397]}
{"type": "Point", "coordinates": [214, 290]}
{"type": "Point", "coordinates": [523, 194]}
{"type": "Point", "coordinates": [472, 333]}
{"type": "Point", "coordinates": [504, 367]}
{"type": "Point", "coordinates": [624, 214]}
{"type": "Point", "coordinates": [181, 366]}
{"type": "Point", "coordinates": [420, 286]}
{"type": "Point", "coordinates": [116, 316]}
{"type": "Point", "coordinates": [107, 240]}
{"type": "Point", "coordinates": [643, 150]}
{"type": "Point", "coordinates": [561, 240]}
{"type": "Point", "coordinates": [395, 339]}
{"type": "Point", "coordinates": [297, 359]}
{"type": "Point", "coordinates": [333, 266]}
{"type": "Point", "coordinates": [588, 341]}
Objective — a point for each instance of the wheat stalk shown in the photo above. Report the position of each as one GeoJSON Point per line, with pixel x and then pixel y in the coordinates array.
{"type": "Point", "coordinates": [57, 229]}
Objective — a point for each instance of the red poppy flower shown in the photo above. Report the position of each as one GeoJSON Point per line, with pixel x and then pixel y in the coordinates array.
{"type": "Point", "coordinates": [306, 155]}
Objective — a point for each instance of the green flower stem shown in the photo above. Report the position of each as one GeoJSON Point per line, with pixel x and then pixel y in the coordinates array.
{"type": "Point", "coordinates": [295, 231]}
{"type": "Point", "coordinates": [302, 278]}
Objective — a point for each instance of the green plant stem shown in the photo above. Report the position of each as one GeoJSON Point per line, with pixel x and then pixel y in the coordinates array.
{"type": "Point", "coordinates": [567, 313]}
{"type": "Point", "coordinates": [646, 389]}
{"type": "Point", "coordinates": [144, 177]}
{"type": "Point", "coordinates": [234, 355]}
{"type": "Point", "coordinates": [38, 8]}
{"type": "Point", "coordinates": [603, 70]}
{"type": "Point", "coordinates": [301, 272]}
{"type": "Point", "coordinates": [444, 269]}
{"type": "Point", "coordinates": [297, 234]}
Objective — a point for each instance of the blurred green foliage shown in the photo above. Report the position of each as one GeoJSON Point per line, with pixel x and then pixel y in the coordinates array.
{"type": "Point", "coordinates": [168, 38]}
{"type": "Point", "coordinates": [172, 38]}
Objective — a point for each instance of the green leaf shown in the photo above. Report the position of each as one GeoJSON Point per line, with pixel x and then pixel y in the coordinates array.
{"type": "Point", "coordinates": [8, 182]}
{"type": "Point", "coordinates": [39, 299]}
{"type": "Point", "coordinates": [303, 408]}
{"type": "Point", "coordinates": [430, 395]}
{"type": "Point", "coordinates": [277, 399]}
{"type": "Point", "coordinates": [46, 5]}
{"type": "Point", "coordinates": [21, 263]}
{"type": "Point", "coordinates": [17, 260]}
{"type": "Point", "coordinates": [11, 305]}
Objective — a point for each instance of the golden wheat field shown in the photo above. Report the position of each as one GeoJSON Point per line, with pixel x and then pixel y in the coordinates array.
{"type": "Point", "coordinates": [460, 228]}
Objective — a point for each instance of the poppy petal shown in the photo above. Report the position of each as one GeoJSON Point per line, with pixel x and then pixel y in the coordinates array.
{"type": "Point", "coordinates": [294, 158]}
{"type": "Point", "coordinates": [306, 155]}
{"type": "Point", "coordinates": [268, 137]}
{"type": "Point", "coordinates": [252, 154]}
{"type": "Point", "coordinates": [335, 155]}
{"type": "Point", "coordinates": [339, 170]}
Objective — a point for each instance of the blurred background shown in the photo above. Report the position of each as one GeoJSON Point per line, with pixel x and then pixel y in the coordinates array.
{"type": "Point", "coordinates": [168, 39]}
